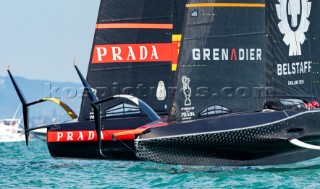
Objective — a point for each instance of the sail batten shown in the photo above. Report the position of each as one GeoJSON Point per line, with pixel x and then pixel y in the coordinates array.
{"type": "Point", "coordinates": [134, 25]}
{"type": "Point", "coordinates": [254, 5]}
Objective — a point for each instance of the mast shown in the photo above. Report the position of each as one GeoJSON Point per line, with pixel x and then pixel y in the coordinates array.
{"type": "Point", "coordinates": [221, 65]}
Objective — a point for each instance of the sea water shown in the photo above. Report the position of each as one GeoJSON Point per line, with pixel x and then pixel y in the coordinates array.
{"type": "Point", "coordinates": [33, 167]}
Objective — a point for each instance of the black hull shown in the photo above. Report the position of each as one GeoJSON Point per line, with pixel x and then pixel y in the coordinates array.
{"type": "Point", "coordinates": [88, 149]}
{"type": "Point", "coordinates": [238, 140]}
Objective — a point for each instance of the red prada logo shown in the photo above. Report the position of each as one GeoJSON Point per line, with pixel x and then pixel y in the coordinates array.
{"type": "Point", "coordinates": [83, 136]}
{"type": "Point", "coordinates": [159, 52]}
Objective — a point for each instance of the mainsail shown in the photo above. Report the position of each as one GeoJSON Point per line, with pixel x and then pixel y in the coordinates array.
{"type": "Point", "coordinates": [134, 52]}
{"type": "Point", "coordinates": [292, 49]}
{"type": "Point", "coordinates": [222, 64]}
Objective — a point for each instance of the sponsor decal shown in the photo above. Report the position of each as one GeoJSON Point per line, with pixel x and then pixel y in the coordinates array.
{"type": "Point", "coordinates": [161, 91]}
{"type": "Point", "coordinates": [94, 91]}
{"type": "Point", "coordinates": [194, 13]}
{"type": "Point", "coordinates": [186, 90]}
{"type": "Point", "coordinates": [294, 23]}
{"type": "Point", "coordinates": [187, 112]}
{"type": "Point", "coordinates": [124, 53]}
{"type": "Point", "coordinates": [294, 68]}
{"type": "Point", "coordinates": [227, 54]}
{"type": "Point", "coordinates": [296, 82]}
{"type": "Point", "coordinates": [84, 136]}
{"type": "Point", "coordinates": [120, 53]}
{"type": "Point", "coordinates": [91, 117]}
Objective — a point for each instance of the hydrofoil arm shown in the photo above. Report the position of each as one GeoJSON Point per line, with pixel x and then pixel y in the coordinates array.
{"type": "Point", "coordinates": [25, 106]}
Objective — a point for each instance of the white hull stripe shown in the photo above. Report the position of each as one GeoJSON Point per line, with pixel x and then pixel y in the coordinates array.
{"type": "Point", "coordinates": [221, 131]}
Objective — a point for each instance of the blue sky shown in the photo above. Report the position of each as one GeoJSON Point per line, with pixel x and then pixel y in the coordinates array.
{"type": "Point", "coordinates": [40, 38]}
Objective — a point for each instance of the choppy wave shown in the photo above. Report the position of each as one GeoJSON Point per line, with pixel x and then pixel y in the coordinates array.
{"type": "Point", "coordinates": [22, 167]}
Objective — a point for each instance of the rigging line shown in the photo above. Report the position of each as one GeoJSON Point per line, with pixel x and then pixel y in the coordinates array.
{"type": "Point", "coordinates": [225, 36]}
{"type": "Point", "coordinates": [237, 81]}
{"type": "Point", "coordinates": [113, 20]}
{"type": "Point", "coordinates": [127, 146]}
{"type": "Point", "coordinates": [33, 134]}
{"type": "Point", "coordinates": [243, 5]}
{"type": "Point", "coordinates": [286, 113]}
{"type": "Point", "coordinates": [133, 67]}
{"type": "Point", "coordinates": [123, 144]}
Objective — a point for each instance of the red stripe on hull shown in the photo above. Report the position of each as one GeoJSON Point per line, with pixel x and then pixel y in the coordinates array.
{"type": "Point", "coordinates": [84, 136]}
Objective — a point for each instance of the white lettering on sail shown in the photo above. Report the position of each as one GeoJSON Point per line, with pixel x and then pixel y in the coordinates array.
{"type": "Point", "coordinates": [116, 51]}
{"type": "Point", "coordinates": [143, 52]}
{"type": "Point", "coordinates": [252, 54]}
{"type": "Point", "coordinates": [154, 54]}
{"type": "Point", "coordinates": [259, 54]}
{"type": "Point", "coordinates": [216, 54]}
{"type": "Point", "coordinates": [196, 54]}
{"type": "Point", "coordinates": [206, 54]}
{"type": "Point", "coordinates": [294, 68]}
{"type": "Point", "coordinates": [101, 51]}
{"type": "Point", "coordinates": [279, 68]}
{"type": "Point", "coordinates": [241, 54]}
{"type": "Point", "coordinates": [225, 54]}
{"type": "Point", "coordinates": [293, 24]}
{"type": "Point", "coordinates": [296, 82]}
{"type": "Point", "coordinates": [131, 54]}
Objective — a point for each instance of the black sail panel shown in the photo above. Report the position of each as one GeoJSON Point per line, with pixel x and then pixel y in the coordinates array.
{"type": "Point", "coordinates": [221, 63]}
{"type": "Point", "coordinates": [293, 49]}
{"type": "Point", "coordinates": [134, 52]}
